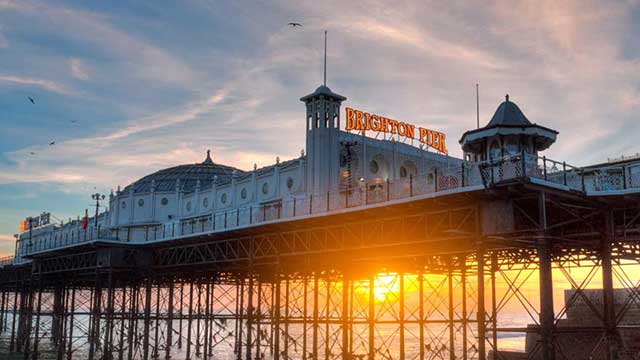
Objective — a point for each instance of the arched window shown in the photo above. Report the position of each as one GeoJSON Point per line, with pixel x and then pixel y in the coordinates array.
{"type": "Point", "coordinates": [408, 169]}
{"type": "Point", "coordinates": [512, 146]}
{"type": "Point", "coordinates": [495, 152]}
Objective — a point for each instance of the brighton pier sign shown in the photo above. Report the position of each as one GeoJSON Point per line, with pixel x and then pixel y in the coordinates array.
{"type": "Point", "coordinates": [363, 121]}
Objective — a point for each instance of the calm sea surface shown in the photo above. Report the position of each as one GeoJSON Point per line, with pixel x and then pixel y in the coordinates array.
{"type": "Point", "coordinates": [386, 335]}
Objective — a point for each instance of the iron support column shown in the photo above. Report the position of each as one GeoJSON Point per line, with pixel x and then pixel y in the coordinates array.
{"type": "Point", "coordinates": [147, 320]}
{"type": "Point", "coordinates": [607, 289]}
{"type": "Point", "coordinates": [547, 314]}
{"type": "Point", "coordinates": [481, 315]}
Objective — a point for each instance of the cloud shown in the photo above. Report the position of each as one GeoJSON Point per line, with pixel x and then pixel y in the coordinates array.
{"type": "Point", "coordinates": [135, 57]}
{"type": "Point", "coordinates": [3, 39]}
{"type": "Point", "coordinates": [167, 118]}
{"type": "Point", "coordinates": [420, 65]}
{"type": "Point", "coordinates": [41, 83]}
{"type": "Point", "coordinates": [78, 69]}
{"type": "Point", "coordinates": [412, 36]}
{"type": "Point", "coordinates": [4, 237]}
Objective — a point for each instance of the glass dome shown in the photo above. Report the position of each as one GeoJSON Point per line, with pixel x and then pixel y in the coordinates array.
{"type": "Point", "coordinates": [189, 174]}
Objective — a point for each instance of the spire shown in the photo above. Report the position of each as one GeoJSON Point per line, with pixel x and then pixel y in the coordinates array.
{"type": "Point", "coordinates": [208, 159]}
{"type": "Point", "coordinates": [325, 59]}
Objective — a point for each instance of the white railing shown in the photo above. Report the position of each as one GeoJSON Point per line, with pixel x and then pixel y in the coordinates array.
{"type": "Point", "coordinates": [58, 239]}
{"type": "Point", "coordinates": [464, 175]}
{"type": "Point", "coordinates": [525, 165]}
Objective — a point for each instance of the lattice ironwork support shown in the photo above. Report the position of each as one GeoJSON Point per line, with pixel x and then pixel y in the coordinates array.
{"type": "Point", "coordinates": [547, 314]}
{"type": "Point", "coordinates": [240, 322]}
{"type": "Point", "coordinates": [190, 321]}
{"type": "Point", "coordinates": [36, 338]}
{"type": "Point", "coordinates": [345, 317]}
{"type": "Point", "coordinates": [71, 315]}
{"type": "Point", "coordinates": [250, 314]}
{"type": "Point", "coordinates": [481, 314]}
{"type": "Point", "coordinates": [465, 319]}
{"type": "Point", "coordinates": [372, 317]}
{"type": "Point", "coordinates": [421, 315]}
{"type": "Point", "coordinates": [450, 305]}
{"type": "Point", "coordinates": [170, 318]}
{"type": "Point", "coordinates": [609, 311]}
{"type": "Point", "coordinates": [546, 300]}
{"type": "Point", "coordinates": [147, 319]}
{"type": "Point", "coordinates": [94, 337]}
{"type": "Point", "coordinates": [494, 303]}
{"type": "Point", "coordinates": [276, 317]}
{"type": "Point", "coordinates": [14, 316]}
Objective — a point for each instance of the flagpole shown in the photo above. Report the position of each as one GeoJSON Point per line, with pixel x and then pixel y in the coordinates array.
{"type": "Point", "coordinates": [325, 59]}
{"type": "Point", "coordinates": [477, 107]}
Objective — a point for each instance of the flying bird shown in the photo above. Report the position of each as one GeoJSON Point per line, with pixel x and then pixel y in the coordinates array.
{"type": "Point", "coordinates": [294, 24]}
{"type": "Point", "coordinates": [52, 143]}
{"type": "Point", "coordinates": [74, 121]}
{"type": "Point", "coordinates": [31, 153]}
{"type": "Point", "coordinates": [31, 99]}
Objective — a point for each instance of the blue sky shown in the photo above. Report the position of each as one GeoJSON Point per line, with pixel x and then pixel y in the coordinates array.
{"type": "Point", "coordinates": [125, 89]}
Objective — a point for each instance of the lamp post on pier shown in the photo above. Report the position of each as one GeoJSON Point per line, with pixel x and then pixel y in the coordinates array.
{"type": "Point", "coordinates": [97, 197]}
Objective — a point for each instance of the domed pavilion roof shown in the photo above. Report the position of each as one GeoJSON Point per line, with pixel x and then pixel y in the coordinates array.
{"type": "Point", "coordinates": [508, 114]}
{"type": "Point", "coordinates": [189, 174]}
{"type": "Point", "coordinates": [508, 120]}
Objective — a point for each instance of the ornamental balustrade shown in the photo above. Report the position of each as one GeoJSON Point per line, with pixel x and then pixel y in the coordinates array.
{"type": "Point", "coordinates": [440, 180]}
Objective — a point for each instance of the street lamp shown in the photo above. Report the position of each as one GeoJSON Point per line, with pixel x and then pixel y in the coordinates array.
{"type": "Point", "coordinates": [97, 197]}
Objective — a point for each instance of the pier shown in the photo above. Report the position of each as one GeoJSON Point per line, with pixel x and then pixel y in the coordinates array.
{"type": "Point", "coordinates": [406, 270]}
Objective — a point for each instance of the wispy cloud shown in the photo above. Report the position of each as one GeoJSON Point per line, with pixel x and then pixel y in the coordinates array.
{"type": "Point", "coordinates": [78, 69]}
{"type": "Point", "coordinates": [41, 83]}
{"type": "Point", "coordinates": [162, 100]}
{"type": "Point", "coordinates": [423, 40]}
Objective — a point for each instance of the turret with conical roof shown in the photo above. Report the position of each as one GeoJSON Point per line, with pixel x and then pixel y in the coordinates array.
{"type": "Point", "coordinates": [509, 132]}
{"type": "Point", "coordinates": [323, 127]}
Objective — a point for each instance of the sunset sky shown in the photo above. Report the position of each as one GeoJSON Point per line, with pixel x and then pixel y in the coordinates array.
{"type": "Point", "coordinates": [131, 88]}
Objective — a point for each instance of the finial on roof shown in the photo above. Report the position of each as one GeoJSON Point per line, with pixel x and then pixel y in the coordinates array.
{"type": "Point", "coordinates": [255, 166]}
{"type": "Point", "coordinates": [277, 159]}
{"type": "Point", "coordinates": [208, 159]}
{"type": "Point", "coordinates": [506, 97]}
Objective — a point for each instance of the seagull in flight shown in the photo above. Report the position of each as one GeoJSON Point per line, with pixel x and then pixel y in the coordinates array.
{"type": "Point", "coordinates": [52, 143]}
{"type": "Point", "coordinates": [31, 99]}
{"type": "Point", "coordinates": [294, 24]}
{"type": "Point", "coordinates": [31, 153]}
